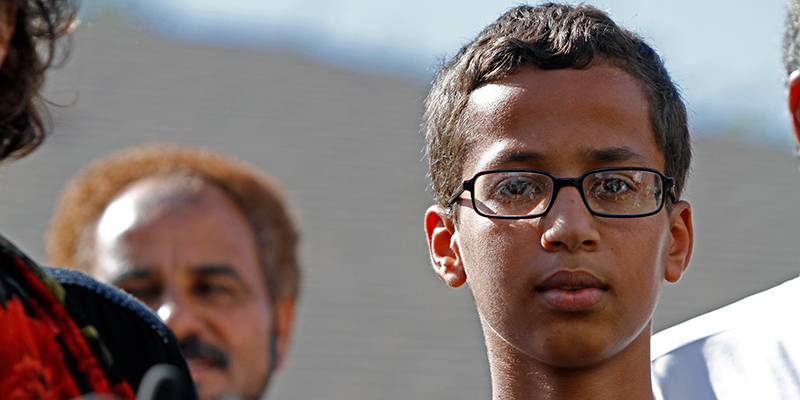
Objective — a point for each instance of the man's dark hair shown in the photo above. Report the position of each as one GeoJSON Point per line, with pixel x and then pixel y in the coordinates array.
{"type": "Point", "coordinates": [791, 38]}
{"type": "Point", "coordinates": [23, 115]}
{"type": "Point", "coordinates": [549, 36]}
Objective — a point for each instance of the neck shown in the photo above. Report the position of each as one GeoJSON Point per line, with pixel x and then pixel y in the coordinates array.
{"type": "Point", "coordinates": [517, 376]}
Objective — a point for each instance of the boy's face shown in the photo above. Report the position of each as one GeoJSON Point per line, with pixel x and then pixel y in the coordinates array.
{"type": "Point", "coordinates": [568, 288]}
{"type": "Point", "coordinates": [194, 261]}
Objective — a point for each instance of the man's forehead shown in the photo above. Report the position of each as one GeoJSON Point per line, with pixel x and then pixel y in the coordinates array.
{"type": "Point", "coordinates": [174, 189]}
{"type": "Point", "coordinates": [119, 216]}
{"type": "Point", "coordinates": [145, 200]}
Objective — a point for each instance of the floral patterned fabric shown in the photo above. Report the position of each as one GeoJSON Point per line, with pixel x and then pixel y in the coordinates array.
{"type": "Point", "coordinates": [47, 351]}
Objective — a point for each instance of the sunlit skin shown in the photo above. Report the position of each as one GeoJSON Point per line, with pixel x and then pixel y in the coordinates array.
{"type": "Point", "coordinates": [545, 341]}
{"type": "Point", "coordinates": [195, 263]}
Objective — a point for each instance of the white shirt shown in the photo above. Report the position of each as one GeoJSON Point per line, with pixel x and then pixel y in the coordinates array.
{"type": "Point", "coordinates": [747, 350]}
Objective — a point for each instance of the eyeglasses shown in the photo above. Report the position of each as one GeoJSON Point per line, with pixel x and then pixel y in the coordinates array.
{"type": "Point", "coordinates": [607, 192]}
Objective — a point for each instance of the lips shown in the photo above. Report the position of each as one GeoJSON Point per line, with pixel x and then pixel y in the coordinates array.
{"type": "Point", "coordinates": [572, 291]}
{"type": "Point", "coordinates": [198, 368]}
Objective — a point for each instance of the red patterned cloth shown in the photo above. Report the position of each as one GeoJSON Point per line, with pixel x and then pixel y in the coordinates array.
{"type": "Point", "coordinates": [45, 351]}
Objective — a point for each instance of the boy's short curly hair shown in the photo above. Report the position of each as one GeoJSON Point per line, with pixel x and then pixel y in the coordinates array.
{"type": "Point", "coordinates": [70, 238]}
{"type": "Point", "coordinates": [549, 36]}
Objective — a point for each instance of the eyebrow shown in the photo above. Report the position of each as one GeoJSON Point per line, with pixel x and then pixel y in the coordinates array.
{"type": "Point", "coordinates": [518, 157]}
{"type": "Point", "coordinates": [607, 155]}
{"type": "Point", "coordinates": [131, 274]}
{"type": "Point", "coordinates": [616, 154]}
{"type": "Point", "coordinates": [216, 269]}
{"type": "Point", "coordinates": [203, 270]}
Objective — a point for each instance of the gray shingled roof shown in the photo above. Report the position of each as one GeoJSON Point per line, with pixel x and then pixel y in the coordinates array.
{"type": "Point", "coordinates": [374, 321]}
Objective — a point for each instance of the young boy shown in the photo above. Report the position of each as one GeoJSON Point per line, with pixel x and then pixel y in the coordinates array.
{"type": "Point", "coordinates": [558, 148]}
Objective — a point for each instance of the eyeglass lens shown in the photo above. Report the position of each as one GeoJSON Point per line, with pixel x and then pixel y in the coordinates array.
{"type": "Point", "coordinates": [617, 192]}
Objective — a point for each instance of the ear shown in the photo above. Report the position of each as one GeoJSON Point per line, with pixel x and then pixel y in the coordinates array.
{"type": "Point", "coordinates": [794, 102]}
{"type": "Point", "coordinates": [8, 19]}
{"type": "Point", "coordinates": [443, 246]}
{"type": "Point", "coordinates": [681, 241]}
{"type": "Point", "coordinates": [284, 320]}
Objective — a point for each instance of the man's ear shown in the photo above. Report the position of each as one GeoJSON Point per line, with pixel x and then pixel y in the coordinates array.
{"type": "Point", "coordinates": [794, 102]}
{"type": "Point", "coordinates": [8, 20]}
{"type": "Point", "coordinates": [681, 241]}
{"type": "Point", "coordinates": [443, 246]}
{"type": "Point", "coordinates": [282, 328]}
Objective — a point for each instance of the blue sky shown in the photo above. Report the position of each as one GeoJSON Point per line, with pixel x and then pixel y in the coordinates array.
{"type": "Point", "coordinates": [725, 55]}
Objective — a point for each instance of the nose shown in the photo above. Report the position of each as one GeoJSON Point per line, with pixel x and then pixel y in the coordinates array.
{"type": "Point", "coordinates": [178, 314]}
{"type": "Point", "coordinates": [569, 225]}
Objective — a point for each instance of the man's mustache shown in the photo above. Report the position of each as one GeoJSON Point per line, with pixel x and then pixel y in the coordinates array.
{"type": "Point", "coordinates": [192, 347]}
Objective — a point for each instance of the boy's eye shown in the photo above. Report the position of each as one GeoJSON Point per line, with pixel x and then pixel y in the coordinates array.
{"type": "Point", "coordinates": [517, 188]}
{"type": "Point", "coordinates": [614, 188]}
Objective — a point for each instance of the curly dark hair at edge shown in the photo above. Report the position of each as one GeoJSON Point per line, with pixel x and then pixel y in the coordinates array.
{"type": "Point", "coordinates": [549, 36]}
{"type": "Point", "coordinates": [24, 118]}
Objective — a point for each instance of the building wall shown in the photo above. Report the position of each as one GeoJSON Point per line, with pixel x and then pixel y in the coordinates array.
{"type": "Point", "coordinates": [374, 321]}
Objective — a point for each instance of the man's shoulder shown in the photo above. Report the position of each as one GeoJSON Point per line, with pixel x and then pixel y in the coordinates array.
{"type": "Point", "coordinates": [763, 311]}
{"type": "Point", "coordinates": [748, 349]}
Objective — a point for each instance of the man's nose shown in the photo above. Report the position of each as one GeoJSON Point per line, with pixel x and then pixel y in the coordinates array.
{"type": "Point", "coordinates": [178, 314]}
{"type": "Point", "coordinates": [569, 225]}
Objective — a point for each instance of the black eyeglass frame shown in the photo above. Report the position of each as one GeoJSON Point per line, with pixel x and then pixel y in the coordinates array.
{"type": "Point", "coordinates": [668, 184]}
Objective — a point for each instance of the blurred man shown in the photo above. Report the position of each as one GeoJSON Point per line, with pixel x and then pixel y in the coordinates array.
{"type": "Point", "coordinates": [749, 349]}
{"type": "Point", "coordinates": [206, 241]}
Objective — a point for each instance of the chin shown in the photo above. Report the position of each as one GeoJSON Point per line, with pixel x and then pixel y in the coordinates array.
{"type": "Point", "coordinates": [577, 351]}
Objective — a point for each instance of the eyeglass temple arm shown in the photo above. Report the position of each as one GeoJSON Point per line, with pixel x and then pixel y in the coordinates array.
{"type": "Point", "coordinates": [464, 187]}
{"type": "Point", "coordinates": [669, 184]}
